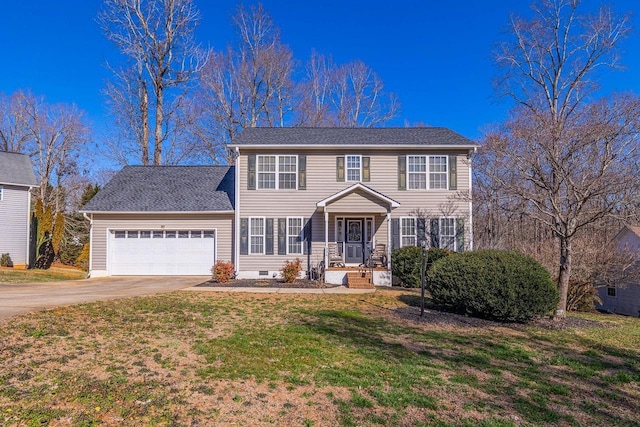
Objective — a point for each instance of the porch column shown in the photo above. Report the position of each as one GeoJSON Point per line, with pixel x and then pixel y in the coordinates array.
{"type": "Point", "coordinates": [388, 240]}
{"type": "Point", "coordinates": [326, 238]}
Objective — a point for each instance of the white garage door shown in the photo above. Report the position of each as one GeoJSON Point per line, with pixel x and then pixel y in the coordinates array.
{"type": "Point", "coordinates": [161, 253]}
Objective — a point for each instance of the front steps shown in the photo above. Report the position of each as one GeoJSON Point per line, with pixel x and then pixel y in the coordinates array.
{"type": "Point", "coordinates": [359, 280]}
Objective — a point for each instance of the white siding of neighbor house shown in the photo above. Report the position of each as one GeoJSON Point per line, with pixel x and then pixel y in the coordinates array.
{"type": "Point", "coordinates": [222, 223]}
{"type": "Point", "coordinates": [627, 298]}
{"type": "Point", "coordinates": [14, 223]}
{"type": "Point", "coordinates": [321, 183]}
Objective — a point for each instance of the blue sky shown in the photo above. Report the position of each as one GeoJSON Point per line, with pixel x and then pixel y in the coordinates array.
{"type": "Point", "coordinates": [435, 55]}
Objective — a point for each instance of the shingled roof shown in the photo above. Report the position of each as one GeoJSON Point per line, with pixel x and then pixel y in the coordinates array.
{"type": "Point", "coordinates": [16, 169]}
{"type": "Point", "coordinates": [167, 189]}
{"type": "Point", "coordinates": [375, 137]}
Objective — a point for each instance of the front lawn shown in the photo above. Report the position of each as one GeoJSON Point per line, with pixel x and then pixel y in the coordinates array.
{"type": "Point", "coordinates": [199, 358]}
{"type": "Point", "coordinates": [54, 274]}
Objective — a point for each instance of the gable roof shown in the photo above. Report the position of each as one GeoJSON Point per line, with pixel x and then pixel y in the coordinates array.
{"type": "Point", "coordinates": [164, 189]}
{"type": "Point", "coordinates": [16, 169]}
{"type": "Point", "coordinates": [358, 186]}
{"type": "Point", "coordinates": [435, 137]}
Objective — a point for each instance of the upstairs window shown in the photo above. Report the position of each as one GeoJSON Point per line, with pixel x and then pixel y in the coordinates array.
{"type": "Point", "coordinates": [427, 172]}
{"type": "Point", "coordinates": [438, 172]}
{"type": "Point", "coordinates": [354, 168]}
{"type": "Point", "coordinates": [277, 172]}
{"type": "Point", "coordinates": [417, 169]}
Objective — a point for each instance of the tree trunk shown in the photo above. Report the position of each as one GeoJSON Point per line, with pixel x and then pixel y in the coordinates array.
{"type": "Point", "coordinates": [566, 252]}
{"type": "Point", "coordinates": [144, 113]}
{"type": "Point", "coordinates": [157, 149]}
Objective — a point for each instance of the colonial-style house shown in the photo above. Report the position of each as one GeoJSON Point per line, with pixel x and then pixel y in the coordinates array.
{"type": "Point", "coordinates": [16, 181]}
{"type": "Point", "coordinates": [333, 197]}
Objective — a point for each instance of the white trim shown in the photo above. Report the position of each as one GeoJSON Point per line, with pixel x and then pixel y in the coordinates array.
{"type": "Point", "coordinates": [415, 230]}
{"type": "Point", "coordinates": [455, 236]}
{"type": "Point", "coordinates": [29, 186]}
{"type": "Point", "coordinates": [301, 234]}
{"type": "Point", "coordinates": [276, 171]}
{"type": "Point", "coordinates": [236, 222]}
{"type": "Point", "coordinates": [264, 235]}
{"type": "Point", "coordinates": [346, 167]}
{"type": "Point", "coordinates": [357, 186]}
{"type": "Point", "coordinates": [359, 146]}
{"type": "Point", "coordinates": [26, 260]}
{"type": "Point", "coordinates": [470, 206]}
{"type": "Point", "coordinates": [428, 171]}
{"type": "Point", "coordinates": [156, 212]}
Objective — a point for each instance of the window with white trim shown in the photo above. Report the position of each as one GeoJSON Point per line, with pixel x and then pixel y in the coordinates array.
{"type": "Point", "coordinates": [448, 233]}
{"type": "Point", "coordinates": [256, 236]}
{"type": "Point", "coordinates": [408, 232]}
{"type": "Point", "coordinates": [353, 168]}
{"type": "Point", "coordinates": [277, 172]}
{"type": "Point", "coordinates": [427, 172]}
{"type": "Point", "coordinates": [438, 172]}
{"type": "Point", "coordinates": [417, 170]}
{"type": "Point", "coordinates": [294, 236]}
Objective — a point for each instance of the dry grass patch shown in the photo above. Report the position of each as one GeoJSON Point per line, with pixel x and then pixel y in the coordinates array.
{"type": "Point", "coordinates": [54, 274]}
{"type": "Point", "coordinates": [189, 358]}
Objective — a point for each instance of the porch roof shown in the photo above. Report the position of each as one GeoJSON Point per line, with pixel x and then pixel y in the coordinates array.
{"type": "Point", "coordinates": [371, 194]}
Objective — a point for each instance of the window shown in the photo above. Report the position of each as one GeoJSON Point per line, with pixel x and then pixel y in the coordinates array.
{"type": "Point", "coordinates": [256, 235]}
{"type": "Point", "coordinates": [208, 234]}
{"type": "Point", "coordinates": [277, 172]}
{"type": "Point", "coordinates": [132, 234]}
{"type": "Point", "coordinates": [294, 236]}
{"type": "Point", "coordinates": [421, 167]}
{"type": "Point", "coordinates": [438, 172]}
{"type": "Point", "coordinates": [408, 232]}
{"type": "Point", "coordinates": [170, 234]}
{"type": "Point", "coordinates": [354, 166]}
{"type": "Point", "coordinates": [158, 234]}
{"type": "Point", "coordinates": [417, 169]}
{"type": "Point", "coordinates": [145, 234]}
{"type": "Point", "coordinates": [611, 291]}
{"type": "Point", "coordinates": [448, 233]}
{"type": "Point", "coordinates": [120, 234]}
{"type": "Point", "coordinates": [196, 234]}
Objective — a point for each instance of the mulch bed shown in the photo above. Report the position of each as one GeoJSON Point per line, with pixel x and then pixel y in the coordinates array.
{"type": "Point", "coordinates": [267, 283]}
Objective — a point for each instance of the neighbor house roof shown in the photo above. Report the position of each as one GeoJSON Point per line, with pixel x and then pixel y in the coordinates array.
{"type": "Point", "coordinates": [331, 137]}
{"type": "Point", "coordinates": [16, 169]}
{"type": "Point", "coordinates": [164, 189]}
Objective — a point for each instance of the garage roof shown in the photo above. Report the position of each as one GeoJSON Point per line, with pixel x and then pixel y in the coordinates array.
{"type": "Point", "coordinates": [16, 169]}
{"type": "Point", "coordinates": [139, 189]}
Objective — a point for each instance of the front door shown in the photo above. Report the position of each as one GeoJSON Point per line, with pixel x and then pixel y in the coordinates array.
{"type": "Point", "coordinates": [354, 242]}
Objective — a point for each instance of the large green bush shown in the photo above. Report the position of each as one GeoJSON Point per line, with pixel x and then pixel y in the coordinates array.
{"type": "Point", "coordinates": [405, 263]}
{"type": "Point", "coordinates": [493, 284]}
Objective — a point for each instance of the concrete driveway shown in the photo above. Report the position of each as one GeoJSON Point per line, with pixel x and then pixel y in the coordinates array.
{"type": "Point", "coordinates": [20, 298]}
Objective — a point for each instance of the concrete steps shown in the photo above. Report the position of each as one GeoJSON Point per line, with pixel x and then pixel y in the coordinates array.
{"type": "Point", "coordinates": [360, 280]}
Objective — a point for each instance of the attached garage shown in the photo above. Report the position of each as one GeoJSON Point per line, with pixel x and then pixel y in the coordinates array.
{"type": "Point", "coordinates": [162, 220]}
{"type": "Point", "coordinates": [161, 253]}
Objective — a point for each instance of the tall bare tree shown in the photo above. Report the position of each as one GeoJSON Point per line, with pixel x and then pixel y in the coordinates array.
{"type": "Point", "coordinates": [564, 158]}
{"type": "Point", "coordinates": [14, 135]}
{"type": "Point", "coordinates": [157, 36]}
{"type": "Point", "coordinates": [247, 85]}
{"type": "Point", "coordinates": [349, 95]}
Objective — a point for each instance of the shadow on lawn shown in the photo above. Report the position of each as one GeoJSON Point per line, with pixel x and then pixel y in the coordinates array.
{"type": "Point", "coordinates": [542, 376]}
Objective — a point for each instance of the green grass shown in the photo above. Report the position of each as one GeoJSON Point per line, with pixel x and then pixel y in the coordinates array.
{"type": "Point", "coordinates": [54, 274]}
{"type": "Point", "coordinates": [206, 358]}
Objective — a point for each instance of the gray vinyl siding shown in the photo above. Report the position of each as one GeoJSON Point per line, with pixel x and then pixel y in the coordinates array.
{"type": "Point", "coordinates": [626, 301]}
{"type": "Point", "coordinates": [223, 223]}
{"type": "Point", "coordinates": [321, 183]}
{"type": "Point", "coordinates": [14, 223]}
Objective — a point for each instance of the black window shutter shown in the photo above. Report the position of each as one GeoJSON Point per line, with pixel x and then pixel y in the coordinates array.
{"type": "Point", "coordinates": [453, 172]}
{"type": "Point", "coordinates": [421, 231]}
{"type": "Point", "coordinates": [402, 172]}
{"type": "Point", "coordinates": [366, 169]}
{"type": "Point", "coordinates": [268, 236]}
{"type": "Point", "coordinates": [302, 172]}
{"type": "Point", "coordinates": [435, 232]}
{"type": "Point", "coordinates": [306, 243]}
{"type": "Point", "coordinates": [251, 172]}
{"type": "Point", "coordinates": [244, 236]}
{"type": "Point", "coordinates": [460, 234]}
{"type": "Point", "coordinates": [395, 233]}
{"type": "Point", "coordinates": [340, 169]}
{"type": "Point", "coordinates": [282, 236]}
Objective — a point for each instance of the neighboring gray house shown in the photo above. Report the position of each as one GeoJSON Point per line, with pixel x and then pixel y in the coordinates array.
{"type": "Point", "coordinates": [162, 220]}
{"type": "Point", "coordinates": [308, 193]}
{"type": "Point", "coordinates": [623, 299]}
{"type": "Point", "coordinates": [16, 181]}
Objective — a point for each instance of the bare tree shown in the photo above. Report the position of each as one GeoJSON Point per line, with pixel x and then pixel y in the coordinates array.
{"type": "Point", "coordinates": [14, 136]}
{"type": "Point", "coordinates": [247, 85]}
{"type": "Point", "coordinates": [350, 95]}
{"type": "Point", "coordinates": [158, 38]}
{"type": "Point", "coordinates": [565, 158]}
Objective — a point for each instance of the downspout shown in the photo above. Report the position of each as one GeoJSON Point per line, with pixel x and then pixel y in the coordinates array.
{"type": "Point", "coordinates": [84, 214]}
{"type": "Point", "coordinates": [471, 153]}
{"type": "Point", "coordinates": [236, 225]}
